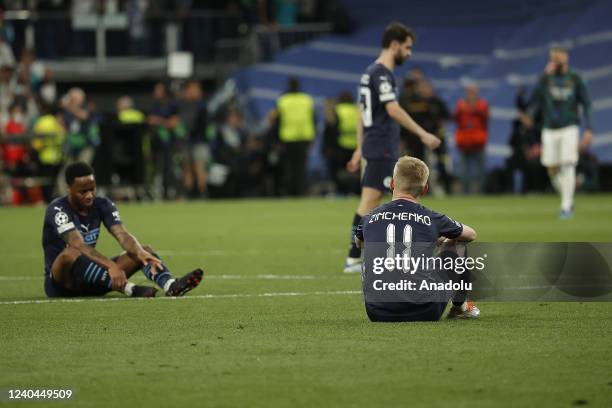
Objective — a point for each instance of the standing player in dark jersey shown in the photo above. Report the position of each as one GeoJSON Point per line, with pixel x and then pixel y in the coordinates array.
{"type": "Point", "coordinates": [420, 225]}
{"type": "Point", "coordinates": [73, 267]}
{"type": "Point", "coordinates": [378, 139]}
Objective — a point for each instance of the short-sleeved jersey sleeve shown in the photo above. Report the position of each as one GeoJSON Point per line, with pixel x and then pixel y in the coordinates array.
{"type": "Point", "coordinates": [61, 220]}
{"type": "Point", "coordinates": [384, 86]}
{"type": "Point", "coordinates": [109, 212]}
{"type": "Point", "coordinates": [447, 227]}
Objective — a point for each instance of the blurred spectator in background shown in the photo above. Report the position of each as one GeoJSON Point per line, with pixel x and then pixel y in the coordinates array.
{"type": "Point", "coordinates": [7, 58]}
{"type": "Point", "coordinates": [15, 148]}
{"type": "Point", "coordinates": [274, 171]}
{"type": "Point", "coordinates": [48, 143]}
{"type": "Point", "coordinates": [83, 131]}
{"type": "Point", "coordinates": [419, 100]}
{"type": "Point", "coordinates": [340, 140]}
{"type": "Point", "coordinates": [137, 28]}
{"type": "Point", "coordinates": [429, 111]}
{"type": "Point", "coordinates": [194, 115]}
{"type": "Point", "coordinates": [524, 169]}
{"type": "Point", "coordinates": [7, 32]}
{"type": "Point", "coordinates": [127, 114]}
{"type": "Point", "coordinates": [16, 124]}
{"type": "Point", "coordinates": [167, 132]}
{"type": "Point", "coordinates": [472, 119]}
{"type": "Point", "coordinates": [296, 131]}
{"type": "Point", "coordinates": [7, 87]}
{"type": "Point", "coordinates": [30, 72]}
{"type": "Point", "coordinates": [253, 177]}
{"type": "Point", "coordinates": [30, 80]}
{"type": "Point", "coordinates": [434, 121]}
{"type": "Point", "coordinates": [129, 156]}
{"type": "Point", "coordinates": [227, 148]}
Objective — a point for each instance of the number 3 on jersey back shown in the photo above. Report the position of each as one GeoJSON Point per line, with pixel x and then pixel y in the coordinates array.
{"type": "Point", "coordinates": [365, 101]}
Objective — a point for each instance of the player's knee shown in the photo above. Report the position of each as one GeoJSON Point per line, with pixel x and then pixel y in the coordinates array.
{"type": "Point", "coordinates": [69, 255]}
{"type": "Point", "coordinates": [552, 171]}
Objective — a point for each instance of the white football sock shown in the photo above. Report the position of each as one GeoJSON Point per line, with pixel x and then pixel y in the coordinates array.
{"type": "Point", "coordinates": [167, 285]}
{"type": "Point", "coordinates": [127, 289]}
{"type": "Point", "coordinates": [556, 181]}
{"type": "Point", "coordinates": [568, 186]}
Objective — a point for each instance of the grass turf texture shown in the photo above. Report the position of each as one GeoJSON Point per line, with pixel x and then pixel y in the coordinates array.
{"type": "Point", "coordinates": [252, 344]}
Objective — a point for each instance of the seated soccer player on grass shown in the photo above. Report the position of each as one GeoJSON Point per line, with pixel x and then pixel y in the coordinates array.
{"type": "Point", "coordinates": [420, 226]}
{"type": "Point", "coordinates": [73, 267]}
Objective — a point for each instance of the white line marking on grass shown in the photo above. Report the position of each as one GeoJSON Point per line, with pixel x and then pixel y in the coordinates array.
{"type": "Point", "coordinates": [220, 296]}
{"type": "Point", "coordinates": [201, 252]}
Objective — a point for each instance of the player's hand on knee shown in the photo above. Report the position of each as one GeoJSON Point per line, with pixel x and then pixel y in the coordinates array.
{"type": "Point", "coordinates": [117, 277]}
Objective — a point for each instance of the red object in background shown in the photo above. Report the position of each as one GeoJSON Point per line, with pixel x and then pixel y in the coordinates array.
{"type": "Point", "coordinates": [472, 123]}
{"type": "Point", "coordinates": [14, 128]}
{"type": "Point", "coordinates": [13, 153]}
{"type": "Point", "coordinates": [33, 195]}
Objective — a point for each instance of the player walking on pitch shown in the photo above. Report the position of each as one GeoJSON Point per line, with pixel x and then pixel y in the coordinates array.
{"type": "Point", "coordinates": [559, 94]}
{"type": "Point", "coordinates": [73, 267]}
{"type": "Point", "coordinates": [378, 138]}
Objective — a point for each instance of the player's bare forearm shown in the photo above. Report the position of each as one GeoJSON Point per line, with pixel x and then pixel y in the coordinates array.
{"type": "Point", "coordinates": [354, 164]}
{"type": "Point", "coordinates": [126, 240]}
{"type": "Point", "coordinates": [400, 116]}
{"type": "Point", "coordinates": [74, 240]}
{"type": "Point", "coordinates": [359, 133]}
{"type": "Point", "coordinates": [467, 235]}
{"type": "Point", "coordinates": [131, 245]}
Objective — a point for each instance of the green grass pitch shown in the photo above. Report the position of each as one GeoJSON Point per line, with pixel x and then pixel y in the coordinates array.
{"type": "Point", "coordinates": [276, 323]}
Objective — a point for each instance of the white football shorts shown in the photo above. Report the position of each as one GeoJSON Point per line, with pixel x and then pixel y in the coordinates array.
{"type": "Point", "coordinates": [560, 146]}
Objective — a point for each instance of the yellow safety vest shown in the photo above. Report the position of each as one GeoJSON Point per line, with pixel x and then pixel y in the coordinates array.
{"type": "Point", "coordinates": [49, 136]}
{"type": "Point", "coordinates": [348, 115]}
{"type": "Point", "coordinates": [131, 116]}
{"type": "Point", "coordinates": [296, 112]}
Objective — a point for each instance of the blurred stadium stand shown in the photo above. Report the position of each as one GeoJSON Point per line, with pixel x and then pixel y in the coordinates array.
{"type": "Point", "coordinates": [244, 61]}
{"type": "Point", "coordinates": [502, 46]}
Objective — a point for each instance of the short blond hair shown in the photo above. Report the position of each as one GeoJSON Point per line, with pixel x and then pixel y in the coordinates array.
{"type": "Point", "coordinates": [410, 175]}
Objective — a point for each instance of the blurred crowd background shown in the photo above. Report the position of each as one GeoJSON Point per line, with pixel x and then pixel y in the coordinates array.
{"type": "Point", "coordinates": [217, 99]}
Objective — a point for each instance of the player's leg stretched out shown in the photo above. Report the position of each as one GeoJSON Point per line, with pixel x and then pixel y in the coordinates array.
{"type": "Point", "coordinates": [162, 278]}
{"type": "Point", "coordinates": [73, 274]}
{"type": "Point", "coordinates": [79, 276]}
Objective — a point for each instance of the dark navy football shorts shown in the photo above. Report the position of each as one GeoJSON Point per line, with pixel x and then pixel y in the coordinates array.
{"type": "Point", "coordinates": [81, 288]}
{"type": "Point", "coordinates": [377, 174]}
{"type": "Point", "coordinates": [405, 312]}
